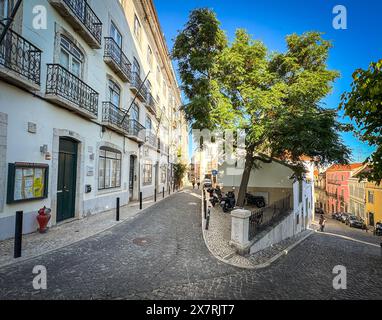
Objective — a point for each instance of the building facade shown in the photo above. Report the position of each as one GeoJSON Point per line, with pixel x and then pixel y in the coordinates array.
{"type": "Point", "coordinates": [357, 189]}
{"type": "Point", "coordinates": [89, 109]}
{"type": "Point", "coordinates": [373, 203]}
{"type": "Point", "coordinates": [321, 198]}
{"type": "Point", "coordinates": [337, 186]}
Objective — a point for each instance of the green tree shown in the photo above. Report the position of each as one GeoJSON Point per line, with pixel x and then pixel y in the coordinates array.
{"type": "Point", "coordinates": [364, 105]}
{"type": "Point", "coordinates": [274, 98]}
{"type": "Point", "coordinates": [180, 170]}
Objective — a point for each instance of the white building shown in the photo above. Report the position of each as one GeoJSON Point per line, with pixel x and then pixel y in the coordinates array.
{"type": "Point", "coordinates": [66, 139]}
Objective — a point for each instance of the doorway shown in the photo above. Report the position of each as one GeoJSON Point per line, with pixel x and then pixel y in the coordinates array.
{"type": "Point", "coordinates": [67, 179]}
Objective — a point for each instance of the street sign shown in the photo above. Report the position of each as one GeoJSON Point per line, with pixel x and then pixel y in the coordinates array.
{"type": "Point", "coordinates": [215, 173]}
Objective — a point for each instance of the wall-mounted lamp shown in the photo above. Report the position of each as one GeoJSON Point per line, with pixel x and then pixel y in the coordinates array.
{"type": "Point", "coordinates": [44, 151]}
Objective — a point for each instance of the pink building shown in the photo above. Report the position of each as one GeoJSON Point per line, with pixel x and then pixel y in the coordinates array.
{"type": "Point", "coordinates": [337, 186]}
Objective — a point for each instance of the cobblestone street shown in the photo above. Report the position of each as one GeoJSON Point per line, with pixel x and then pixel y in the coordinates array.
{"type": "Point", "coordinates": [161, 254]}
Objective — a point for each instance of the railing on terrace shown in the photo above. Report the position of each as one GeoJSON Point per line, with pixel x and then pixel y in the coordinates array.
{"type": "Point", "coordinates": [20, 56]}
{"type": "Point", "coordinates": [263, 218]}
{"type": "Point", "coordinates": [336, 182]}
{"type": "Point", "coordinates": [82, 10]}
{"type": "Point", "coordinates": [60, 82]}
{"type": "Point", "coordinates": [115, 53]}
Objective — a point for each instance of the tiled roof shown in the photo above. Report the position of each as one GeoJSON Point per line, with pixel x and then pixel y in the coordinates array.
{"type": "Point", "coordinates": [349, 167]}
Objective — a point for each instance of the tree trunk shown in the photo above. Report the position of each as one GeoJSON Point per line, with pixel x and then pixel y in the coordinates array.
{"type": "Point", "coordinates": [249, 160]}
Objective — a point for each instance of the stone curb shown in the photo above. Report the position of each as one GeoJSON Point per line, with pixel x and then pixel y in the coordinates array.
{"type": "Point", "coordinates": [22, 260]}
{"type": "Point", "coordinates": [254, 267]}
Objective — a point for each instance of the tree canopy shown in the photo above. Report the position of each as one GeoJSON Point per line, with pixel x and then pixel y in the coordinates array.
{"type": "Point", "coordinates": [274, 97]}
{"type": "Point", "coordinates": [363, 104]}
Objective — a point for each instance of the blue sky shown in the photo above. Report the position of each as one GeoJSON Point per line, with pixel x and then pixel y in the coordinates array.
{"type": "Point", "coordinates": [271, 20]}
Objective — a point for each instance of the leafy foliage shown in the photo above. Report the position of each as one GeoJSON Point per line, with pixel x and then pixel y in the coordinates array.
{"type": "Point", "coordinates": [180, 170]}
{"type": "Point", "coordinates": [364, 105]}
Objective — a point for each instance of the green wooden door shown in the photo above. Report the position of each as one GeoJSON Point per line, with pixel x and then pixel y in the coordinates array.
{"type": "Point", "coordinates": [67, 174]}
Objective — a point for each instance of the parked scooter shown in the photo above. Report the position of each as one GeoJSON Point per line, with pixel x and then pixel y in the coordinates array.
{"type": "Point", "coordinates": [257, 201]}
{"type": "Point", "coordinates": [228, 202]}
{"type": "Point", "coordinates": [215, 195]}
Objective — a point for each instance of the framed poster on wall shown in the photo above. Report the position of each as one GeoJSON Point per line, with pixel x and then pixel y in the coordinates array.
{"type": "Point", "coordinates": [27, 182]}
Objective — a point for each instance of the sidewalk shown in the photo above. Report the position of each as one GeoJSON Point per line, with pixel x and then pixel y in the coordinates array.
{"type": "Point", "coordinates": [65, 234]}
{"type": "Point", "coordinates": [218, 236]}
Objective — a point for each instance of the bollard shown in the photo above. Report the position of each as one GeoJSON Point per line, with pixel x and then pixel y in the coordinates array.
{"type": "Point", "coordinates": [208, 219]}
{"type": "Point", "coordinates": [205, 208]}
{"type": "Point", "coordinates": [155, 195]}
{"type": "Point", "coordinates": [117, 211]}
{"type": "Point", "coordinates": [163, 192]}
{"type": "Point", "coordinates": [18, 234]}
{"type": "Point", "coordinates": [140, 200]}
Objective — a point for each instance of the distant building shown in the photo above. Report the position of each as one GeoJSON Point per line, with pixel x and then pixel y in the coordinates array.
{"type": "Point", "coordinates": [337, 186]}
{"type": "Point", "coordinates": [373, 203]}
{"type": "Point", "coordinates": [357, 191]}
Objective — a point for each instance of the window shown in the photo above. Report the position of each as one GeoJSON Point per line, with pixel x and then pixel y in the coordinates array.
{"type": "Point", "coordinates": [147, 173]}
{"type": "Point", "coordinates": [137, 28]}
{"type": "Point", "coordinates": [370, 197]}
{"type": "Point", "coordinates": [109, 174]}
{"type": "Point", "coordinates": [114, 93]}
{"type": "Point", "coordinates": [116, 35]}
{"type": "Point", "coordinates": [158, 76]}
{"type": "Point", "coordinates": [163, 173]}
{"type": "Point", "coordinates": [71, 57]}
{"type": "Point", "coordinates": [149, 124]}
{"type": "Point", "coordinates": [148, 85]}
{"type": "Point", "coordinates": [164, 89]}
{"type": "Point", "coordinates": [149, 56]}
{"type": "Point", "coordinates": [6, 7]}
{"type": "Point", "coordinates": [135, 112]}
{"type": "Point", "coordinates": [136, 67]}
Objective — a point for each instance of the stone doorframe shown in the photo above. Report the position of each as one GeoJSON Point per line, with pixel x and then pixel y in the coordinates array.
{"type": "Point", "coordinates": [79, 203]}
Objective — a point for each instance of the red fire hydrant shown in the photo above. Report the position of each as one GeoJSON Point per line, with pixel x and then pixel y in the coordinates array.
{"type": "Point", "coordinates": [43, 219]}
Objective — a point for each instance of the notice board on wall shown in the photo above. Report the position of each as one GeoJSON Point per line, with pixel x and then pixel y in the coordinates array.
{"type": "Point", "coordinates": [27, 182]}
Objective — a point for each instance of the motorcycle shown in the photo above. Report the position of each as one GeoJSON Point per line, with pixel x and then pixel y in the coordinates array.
{"type": "Point", "coordinates": [257, 201]}
{"type": "Point", "coordinates": [228, 202]}
{"type": "Point", "coordinates": [215, 195]}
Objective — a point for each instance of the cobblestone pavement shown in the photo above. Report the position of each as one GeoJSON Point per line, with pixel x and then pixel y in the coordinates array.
{"type": "Point", "coordinates": [161, 255]}
{"type": "Point", "coordinates": [64, 234]}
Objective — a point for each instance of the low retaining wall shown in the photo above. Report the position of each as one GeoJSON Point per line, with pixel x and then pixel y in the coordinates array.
{"type": "Point", "coordinates": [283, 230]}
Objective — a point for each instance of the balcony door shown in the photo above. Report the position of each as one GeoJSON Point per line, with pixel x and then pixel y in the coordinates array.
{"type": "Point", "coordinates": [71, 57]}
{"type": "Point", "coordinates": [67, 176]}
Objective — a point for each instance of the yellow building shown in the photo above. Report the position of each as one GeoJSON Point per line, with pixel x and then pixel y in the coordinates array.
{"type": "Point", "coordinates": [374, 202]}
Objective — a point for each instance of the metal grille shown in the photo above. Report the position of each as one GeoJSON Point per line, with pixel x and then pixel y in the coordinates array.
{"type": "Point", "coordinates": [61, 82]}
{"type": "Point", "coordinates": [137, 83]}
{"type": "Point", "coordinates": [86, 15]}
{"type": "Point", "coordinates": [114, 52]}
{"type": "Point", "coordinates": [263, 218]}
{"type": "Point", "coordinates": [20, 56]}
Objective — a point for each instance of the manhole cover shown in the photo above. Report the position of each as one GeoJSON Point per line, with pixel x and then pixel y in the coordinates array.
{"type": "Point", "coordinates": [141, 241]}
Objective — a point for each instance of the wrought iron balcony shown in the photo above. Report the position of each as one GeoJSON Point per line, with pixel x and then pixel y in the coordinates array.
{"type": "Point", "coordinates": [114, 118]}
{"type": "Point", "coordinates": [151, 104]}
{"type": "Point", "coordinates": [137, 87]}
{"type": "Point", "coordinates": [20, 61]}
{"type": "Point", "coordinates": [82, 18]}
{"type": "Point", "coordinates": [151, 139]}
{"type": "Point", "coordinates": [69, 91]}
{"type": "Point", "coordinates": [117, 60]}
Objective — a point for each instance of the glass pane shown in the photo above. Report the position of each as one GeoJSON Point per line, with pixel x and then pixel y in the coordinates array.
{"type": "Point", "coordinates": [64, 59]}
{"type": "Point", "coordinates": [111, 155]}
{"type": "Point", "coordinates": [113, 173]}
{"type": "Point", "coordinates": [101, 173]}
{"type": "Point", "coordinates": [76, 67]}
{"type": "Point", "coordinates": [107, 174]}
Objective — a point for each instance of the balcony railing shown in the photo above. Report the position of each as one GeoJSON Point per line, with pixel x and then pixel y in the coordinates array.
{"type": "Point", "coordinates": [115, 119]}
{"type": "Point", "coordinates": [151, 139]}
{"type": "Point", "coordinates": [336, 182]}
{"type": "Point", "coordinates": [136, 85]}
{"type": "Point", "coordinates": [70, 91]}
{"type": "Point", "coordinates": [21, 57]}
{"type": "Point", "coordinates": [83, 19]}
{"type": "Point", "coordinates": [117, 60]}
{"type": "Point", "coordinates": [151, 103]}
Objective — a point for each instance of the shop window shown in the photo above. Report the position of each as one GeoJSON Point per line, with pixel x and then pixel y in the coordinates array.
{"type": "Point", "coordinates": [147, 173]}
